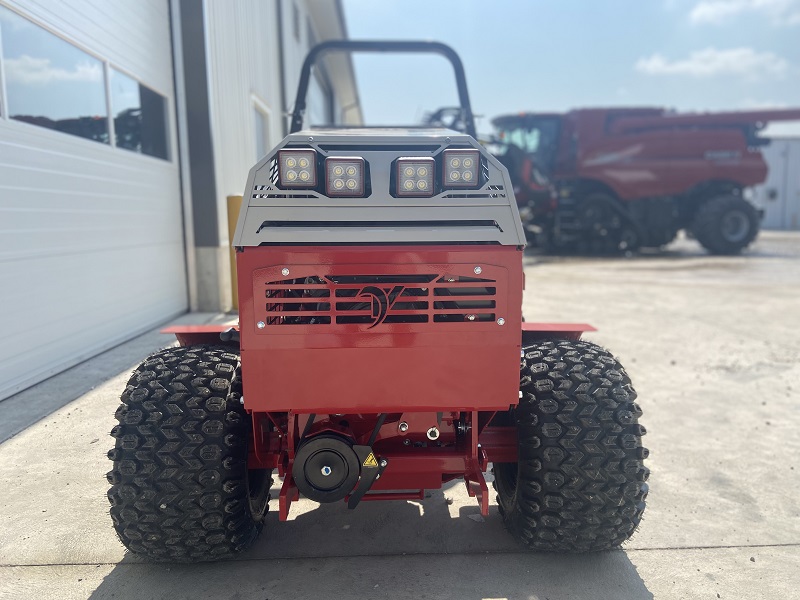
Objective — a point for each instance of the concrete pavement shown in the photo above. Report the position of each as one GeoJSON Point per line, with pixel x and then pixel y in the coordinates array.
{"type": "Point", "coordinates": [712, 346]}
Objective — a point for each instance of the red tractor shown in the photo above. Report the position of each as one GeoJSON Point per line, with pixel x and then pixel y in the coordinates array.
{"type": "Point", "coordinates": [605, 180]}
{"type": "Point", "coordinates": [380, 352]}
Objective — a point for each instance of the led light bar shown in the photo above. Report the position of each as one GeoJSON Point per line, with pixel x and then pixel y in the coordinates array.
{"type": "Point", "coordinates": [297, 168]}
{"type": "Point", "coordinates": [461, 169]}
{"type": "Point", "coordinates": [415, 176]}
{"type": "Point", "coordinates": [344, 176]}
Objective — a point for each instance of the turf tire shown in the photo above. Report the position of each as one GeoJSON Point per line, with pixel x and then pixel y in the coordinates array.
{"type": "Point", "coordinates": [180, 487]}
{"type": "Point", "coordinates": [579, 484]}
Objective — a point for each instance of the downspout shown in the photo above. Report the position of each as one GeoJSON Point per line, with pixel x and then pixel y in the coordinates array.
{"type": "Point", "coordinates": [180, 151]}
{"type": "Point", "coordinates": [282, 70]}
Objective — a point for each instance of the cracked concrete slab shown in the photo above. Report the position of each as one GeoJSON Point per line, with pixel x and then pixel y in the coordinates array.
{"type": "Point", "coordinates": [711, 344]}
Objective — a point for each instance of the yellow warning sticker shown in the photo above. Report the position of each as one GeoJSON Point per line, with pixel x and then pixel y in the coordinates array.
{"type": "Point", "coordinates": [370, 461]}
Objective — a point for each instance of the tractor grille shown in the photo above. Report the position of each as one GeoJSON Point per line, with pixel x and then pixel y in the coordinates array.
{"type": "Point", "coordinates": [369, 301]}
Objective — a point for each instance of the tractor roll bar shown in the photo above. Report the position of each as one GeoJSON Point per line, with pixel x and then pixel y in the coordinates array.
{"type": "Point", "coordinates": [352, 46]}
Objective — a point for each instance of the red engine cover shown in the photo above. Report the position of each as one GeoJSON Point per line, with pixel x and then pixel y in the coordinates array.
{"type": "Point", "coordinates": [367, 329]}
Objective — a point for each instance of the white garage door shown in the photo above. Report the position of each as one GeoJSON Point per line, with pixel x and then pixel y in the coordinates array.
{"type": "Point", "coordinates": [91, 242]}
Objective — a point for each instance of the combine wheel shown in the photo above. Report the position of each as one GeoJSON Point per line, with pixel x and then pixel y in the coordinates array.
{"type": "Point", "coordinates": [180, 487]}
{"type": "Point", "coordinates": [605, 229]}
{"type": "Point", "coordinates": [579, 485]}
{"type": "Point", "coordinates": [726, 224]}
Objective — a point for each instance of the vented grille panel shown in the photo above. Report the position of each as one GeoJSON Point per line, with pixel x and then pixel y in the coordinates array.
{"type": "Point", "coordinates": [367, 301]}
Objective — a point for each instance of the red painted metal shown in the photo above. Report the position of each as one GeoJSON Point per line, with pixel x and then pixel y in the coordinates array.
{"type": "Point", "coordinates": [378, 366]}
{"type": "Point", "coordinates": [499, 444]}
{"type": "Point", "coordinates": [401, 349]}
{"type": "Point", "coordinates": [288, 494]}
{"type": "Point", "coordinates": [737, 118]}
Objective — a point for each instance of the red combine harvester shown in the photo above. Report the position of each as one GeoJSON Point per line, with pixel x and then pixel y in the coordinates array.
{"type": "Point", "coordinates": [605, 180]}
{"type": "Point", "coordinates": [380, 352]}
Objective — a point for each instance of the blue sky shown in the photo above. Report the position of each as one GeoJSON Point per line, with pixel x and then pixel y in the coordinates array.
{"type": "Point", "coordinates": [536, 55]}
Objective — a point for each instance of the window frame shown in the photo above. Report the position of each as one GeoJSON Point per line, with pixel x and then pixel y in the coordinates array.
{"type": "Point", "coordinates": [107, 66]}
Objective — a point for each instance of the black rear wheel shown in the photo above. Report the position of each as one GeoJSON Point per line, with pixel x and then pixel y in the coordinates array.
{"type": "Point", "coordinates": [726, 225]}
{"type": "Point", "coordinates": [605, 227]}
{"type": "Point", "coordinates": [579, 484]}
{"type": "Point", "coordinates": [180, 487]}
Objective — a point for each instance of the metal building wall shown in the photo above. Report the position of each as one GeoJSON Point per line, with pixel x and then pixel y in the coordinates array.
{"type": "Point", "coordinates": [779, 195]}
{"type": "Point", "coordinates": [244, 71]}
{"type": "Point", "coordinates": [91, 243]}
{"type": "Point", "coordinates": [243, 46]}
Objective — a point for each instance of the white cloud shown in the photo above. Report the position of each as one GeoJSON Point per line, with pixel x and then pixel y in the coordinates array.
{"type": "Point", "coordinates": [780, 12]}
{"type": "Point", "coordinates": [39, 71]}
{"type": "Point", "coordinates": [744, 62]}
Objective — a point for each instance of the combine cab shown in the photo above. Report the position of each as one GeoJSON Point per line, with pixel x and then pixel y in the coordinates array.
{"type": "Point", "coordinates": [608, 180]}
{"type": "Point", "coordinates": [380, 353]}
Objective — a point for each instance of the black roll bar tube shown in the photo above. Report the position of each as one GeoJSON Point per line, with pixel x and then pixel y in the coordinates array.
{"type": "Point", "coordinates": [382, 46]}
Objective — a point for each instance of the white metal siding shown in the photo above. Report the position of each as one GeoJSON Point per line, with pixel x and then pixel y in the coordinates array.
{"type": "Point", "coordinates": [91, 244]}
{"type": "Point", "coordinates": [242, 42]}
{"type": "Point", "coordinates": [779, 195]}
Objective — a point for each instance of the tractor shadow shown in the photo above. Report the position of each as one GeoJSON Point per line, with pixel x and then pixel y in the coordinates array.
{"type": "Point", "coordinates": [426, 549]}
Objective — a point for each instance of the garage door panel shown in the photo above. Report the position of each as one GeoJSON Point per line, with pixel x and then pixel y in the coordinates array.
{"type": "Point", "coordinates": [75, 309]}
{"type": "Point", "coordinates": [91, 236]}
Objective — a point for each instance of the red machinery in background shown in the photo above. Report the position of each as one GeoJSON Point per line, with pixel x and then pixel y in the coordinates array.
{"type": "Point", "coordinates": [605, 180]}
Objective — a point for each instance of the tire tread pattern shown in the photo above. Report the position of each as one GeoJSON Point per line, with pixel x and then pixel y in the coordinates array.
{"type": "Point", "coordinates": [580, 483]}
{"type": "Point", "coordinates": [178, 483]}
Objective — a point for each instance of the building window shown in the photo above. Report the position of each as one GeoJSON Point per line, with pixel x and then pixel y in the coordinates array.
{"type": "Point", "coordinates": [50, 82]}
{"type": "Point", "coordinates": [140, 116]}
{"type": "Point", "coordinates": [261, 122]}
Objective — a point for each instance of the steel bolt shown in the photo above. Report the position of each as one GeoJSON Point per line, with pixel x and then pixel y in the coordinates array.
{"type": "Point", "coordinates": [501, 321]}
{"type": "Point", "coordinates": [470, 317]}
{"type": "Point", "coordinates": [326, 470]}
{"type": "Point", "coordinates": [406, 442]}
{"type": "Point", "coordinates": [310, 139]}
{"type": "Point", "coordinates": [478, 270]}
{"type": "Point", "coordinates": [284, 271]}
{"type": "Point", "coordinates": [403, 427]}
{"type": "Point", "coordinates": [433, 433]}
{"type": "Point", "coordinates": [383, 463]}
{"type": "Point", "coordinates": [261, 324]}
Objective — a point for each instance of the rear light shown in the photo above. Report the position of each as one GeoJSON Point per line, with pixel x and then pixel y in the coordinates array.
{"type": "Point", "coordinates": [297, 168]}
{"type": "Point", "coordinates": [461, 169]}
{"type": "Point", "coordinates": [415, 176]}
{"type": "Point", "coordinates": [344, 176]}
